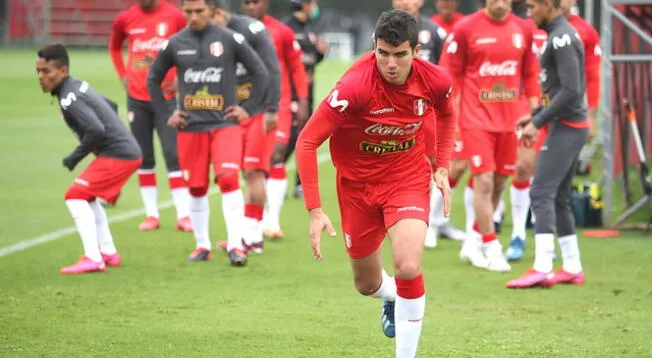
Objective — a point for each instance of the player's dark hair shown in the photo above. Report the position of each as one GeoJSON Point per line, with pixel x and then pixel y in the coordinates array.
{"type": "Point", "coordinates": [56, 53]}
{"type": "Point", "coordinates": [555, 3]}
{"type": "Point", "coordinates": [211, 3]}
{"type": "Point", "coordinates": [396, 27]}
{"type": "Point", "coordinates": [297, 5]}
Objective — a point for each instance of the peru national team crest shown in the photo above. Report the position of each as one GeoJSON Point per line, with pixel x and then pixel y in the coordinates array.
{"type": "Point", "coordinates": [217, 49]}
{"type": "Point", "coordinates": [162, 29]}
{"type": "Point", "coordinates": [424, 36]}
{"type": "Point", "coordinates": [419, 107]}
{"type": "Point", "coordinates": [517, 40]}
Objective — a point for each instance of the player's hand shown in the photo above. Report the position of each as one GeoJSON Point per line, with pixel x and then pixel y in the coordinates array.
{"type": "Point", "coordinates": [441, 181]}
{"type": "Point", "coordinates": [70, 162]}
{"type": "Point", "coordinates": [178, 119]}
{"type": "Point", "coordinates": [269, 121]}
{"type": "Point", "coordinates": [236, 113]}
{"type": "Point", "coordinates": [303, 113]}
{"type": "Point", "coordinates": [125, 83]}
{"type": "Point", "coordinates": [318, 223]}
{"type": "Point", "coordinates": [529, 134]}
{"type": "Point", "coordinates": [322, 45]}
{"type": "Point", "coordinates": [522, 122]}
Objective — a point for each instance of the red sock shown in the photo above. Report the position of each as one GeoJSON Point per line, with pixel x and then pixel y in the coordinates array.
{"type": "Point", "coordinates": [410, 289]}
{"type": "Point", "coordinates": [487, 238]}
{"type": "Point", "coordinates": [254, 211]}
{"type": "Point", "coordinates": [470, 183]}
{"type": "Point", "coordinates": [520, 184]}
{"type": "Point", "coordinates": [278, 172]}
{"type": "Point", "coordinates": [176, 181]}
{"type": "Point", "coordinates": [147, 178]}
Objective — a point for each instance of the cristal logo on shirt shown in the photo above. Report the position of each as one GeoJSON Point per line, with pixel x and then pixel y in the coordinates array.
{"type": "Point", "coordinates": [506, 68]}
{"type": "Point", "coordinates": [387, 146]}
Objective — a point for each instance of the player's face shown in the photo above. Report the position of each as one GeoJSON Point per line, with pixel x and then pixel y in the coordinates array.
{"type": "Point", "coordinates": [498, 9]}
{"type": "Point", "coordinates": [395, 62]}
{"type": "Point", "coordinates": [147, 4]}
{"type": "Point", "coordinates": [538, 11]}
{"type": "Point", "coordinates": [566, 6]}
{"type": "Point", "coordinates": [198, 14]}
{"type": "Point", "coordinates": [49, 74]}
{"type": "Point", "coordinates": [255, 8]}
{"type": "Point", "coordinates": [446, 8]}
{"type": "Point", "coordinates": [412, 7]}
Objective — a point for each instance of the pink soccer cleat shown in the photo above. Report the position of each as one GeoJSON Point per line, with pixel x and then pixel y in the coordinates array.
{"type": "Point", "coordinates": [531, 278]}
{"type": "Point", "coordinates": [112, 260]}
{"type": "Point", "coordinates": [562, 276]}
{"type": "Point", "coordinates": [150, 224]}
{"type": "Point", "coordinates": [184, 224]}
{"type": "Point", "coordinates": [84, 265]}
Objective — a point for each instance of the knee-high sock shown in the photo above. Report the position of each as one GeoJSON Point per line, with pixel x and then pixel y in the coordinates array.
{"type": "Point", "coordinates": [409, 311]}
{"type": "Point", "coordinates": [84, 218]}
{"type": "Point", "coordinates": [277, 186]}
{"type": "Point", "coordinates": [104, 236]}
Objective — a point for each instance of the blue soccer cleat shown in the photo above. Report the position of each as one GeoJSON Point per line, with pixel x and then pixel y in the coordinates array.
{"type": "Point", "coordinates": [387, 319]}
{"type": "Point", "coordinates": [516, 249]}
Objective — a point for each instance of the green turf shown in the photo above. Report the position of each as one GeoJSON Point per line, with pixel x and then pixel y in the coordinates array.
{"type": "Point", "coordinates": [283, 304]}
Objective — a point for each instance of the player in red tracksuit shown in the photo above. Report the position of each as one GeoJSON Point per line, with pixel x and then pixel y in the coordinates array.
{"type": "Point", "coordinates": [390, 120]}
{"type": "Point", "coordinates": [490, 57]}
{"type": "Point", "coordinates": [293, 73]}
{"type": "Point", "coordinates": [146, 26]}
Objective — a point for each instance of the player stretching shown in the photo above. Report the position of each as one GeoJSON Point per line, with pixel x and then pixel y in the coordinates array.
{"type": "Point", "coordinates": [205, 57]}
{"type": "Point", "coordinates": [256, 158]}
{"type": "Point", "coordinates": [489, 54]}
{"type": "Point", "coordinates": [383, 117]}
{"type": "Point", "coordinates": [293, 75]}
{"type": "Point", "coordinates": [95, 121]}
{"type": "Point", "coordinates": [564, 112]}
{"type": "Point", "coordinates": [145, 26]}
{"type": "Point", "coordinates": [520, 191]}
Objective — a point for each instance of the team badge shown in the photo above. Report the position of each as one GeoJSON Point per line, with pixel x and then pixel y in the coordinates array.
{"type": "Point", "coordinates": [162, 29]}
{"type": "Point", "coordinates": [217, 49]}
{"type": "Point", "coordinates": [424, 36]}
{"type": "Point", "coordinates": [517, 40]}
{"type": "Point", "coordinates": [419, 107]}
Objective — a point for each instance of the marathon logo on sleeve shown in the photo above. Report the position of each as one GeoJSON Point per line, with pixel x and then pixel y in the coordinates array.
{"type": "Point", "coordinates": [387, 146]}
{"type": "Point", "coordinates": [203, 100]}
{"type": "Point", "coordinates": [498, 93]}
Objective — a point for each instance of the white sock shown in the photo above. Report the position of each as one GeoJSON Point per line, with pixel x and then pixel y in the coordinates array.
{"type": "Point", "coordinates": [199, 218]}
{"type": "Point", "coordinates": [570, 252]}
{"type": "Point", "coordinates": [544, 248]}
{"type": "Point", "coordinates": [104, 237]}
{"type": "Point", "coordinates": [408, 314]}
{"type": "Point", "coordinates": [468, 206]}
{"type": "Point", "coordinates": [500, 210]}
{"type": "Point", "coordinates": [253, 232]}
{"type": "Point", "coordinates": [233, 209]}
{"type": "Point", "coordinates": [437, 218]}
{"type": "Point", "coordinates": [520, 207]}
{"type": "Point", "coordinates": [149, 194]}
{"type": "Point", "coordinates": [387, 289]}
{"type": "Point", "coordinates": [276, 190]}
{"type": "Point", "coordinates": [84, 218]}
{"type": "Point", "coordinates": [181, 198]}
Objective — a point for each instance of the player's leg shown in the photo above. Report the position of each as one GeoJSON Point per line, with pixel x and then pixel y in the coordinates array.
{"type": "Point", "coordinates": [194, 160]}
{"type": "Point", "coordinates": [226, 156]}
{"type": "Point", "coordinates": [519, 193]}
{"type": "Point", "coordinates": [141, 121]}
{"type": "Point", "coordinates": [468, 206]}
{"type": "Point", "coordinates": [294, 135]}
{"type": "Point", "coordinates": [77, 200]}
{"type": "Point", "coordinates": [178, 189]}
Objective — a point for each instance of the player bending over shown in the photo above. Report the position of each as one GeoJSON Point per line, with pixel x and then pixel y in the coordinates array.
{"type": "Point", "coordinates": [390, 121]}
{"type": "Point", "coordinates": [95, 121]}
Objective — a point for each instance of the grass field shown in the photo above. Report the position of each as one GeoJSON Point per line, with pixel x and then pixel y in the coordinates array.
{"type": "Point", "coordinates": [284, 304]}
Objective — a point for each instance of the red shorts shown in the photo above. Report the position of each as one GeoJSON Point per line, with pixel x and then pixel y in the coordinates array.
{"type": "Point", "coordinates": [105, 177]}
{"type": "Point", "coordinates": [541, 139]}
{"type": "Point", "coordinates": [198, 150]}
{"type": "Point", "coordinates": [368, 210]}
{"type": "Point", "coordinates": [490, 152]}
{"type": "Point", "coordinates": [254, 142]}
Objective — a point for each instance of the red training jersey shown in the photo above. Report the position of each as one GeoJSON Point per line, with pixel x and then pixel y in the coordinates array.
{"type": "Point", "coordinates": [145, 31]}
{"type": "Point", "coordinates": [489, 61]}
{"type": "Point", "coordinates": [539, 37]}
{"type": "Point", "coordinates": [447, 25]}
{"type": "Point", "coordinates": [289, 55]}
{"type": "Point", "coordinates": [592, 58]}
{"type": "Point", "coordinates": [381, 133]}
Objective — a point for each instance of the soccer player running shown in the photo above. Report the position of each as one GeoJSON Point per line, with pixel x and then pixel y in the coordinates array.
{"type": "Point", "coordinates": [527, 156]}
{"type": "Point", "coordinates": [447, 15]}
{"type": "Point", "coordinates": [304, 12]}
{"type": "Point", "coordinates": [256, 158]}
{"type": "Point", "coordinates": [100, 131]}
{"type": "Point", "coordinates": [431, 41]}
{"type": "Point", "coordinates": [205, 57]}
{"type": "Point", "coordinates": [489, 55]}
{"type": "Point", "coordinates": [391, 121]}
{"type": "Point", "coordinates": [293, 74]}
{"type": "Point", "coordinates": [145, 26]}
{"type": "Point", "coordinates": [564, 112]}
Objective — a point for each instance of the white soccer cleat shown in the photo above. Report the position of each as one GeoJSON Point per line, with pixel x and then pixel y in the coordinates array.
{"type": "Point", "coordinates": [497, 261]}
{"type": "Point", "coordinates": [472, 252]}
{"type": "Point", "coordinates": [448, 230]}
{"type": "Point", "coordinates": [431, 238]}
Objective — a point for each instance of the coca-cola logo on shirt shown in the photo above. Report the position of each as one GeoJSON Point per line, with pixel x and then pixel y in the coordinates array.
{"type": "Point", "coordinates": [149, 45]}
{"type": "Point", "coordinates": [387, 130]}
{"type": "Point", "coordinates": [208, 75]}
{"type": "Point", "coordinates": [506, 68]}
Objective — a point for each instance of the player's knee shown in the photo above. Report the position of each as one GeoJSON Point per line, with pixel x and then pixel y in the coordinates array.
{"type": "Point", "coordinates": [365, 286]}
{"type": "Point", "coordinates": [75, 193]}
{"type": "Point", "coordinates": [198, 192]}
{"type": "Point", "coordinates": [228, 182]}
{"type": "Point", "coordinates": [483, 183]}
{"type": "Point", "coordinates": [457, 168]}
{"type": "Point", "coordinates": [524, 170]}
{"type": "Point", "coordinates": [278, 156]}
{"type": "Point", "coordinates": [407, 270]}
